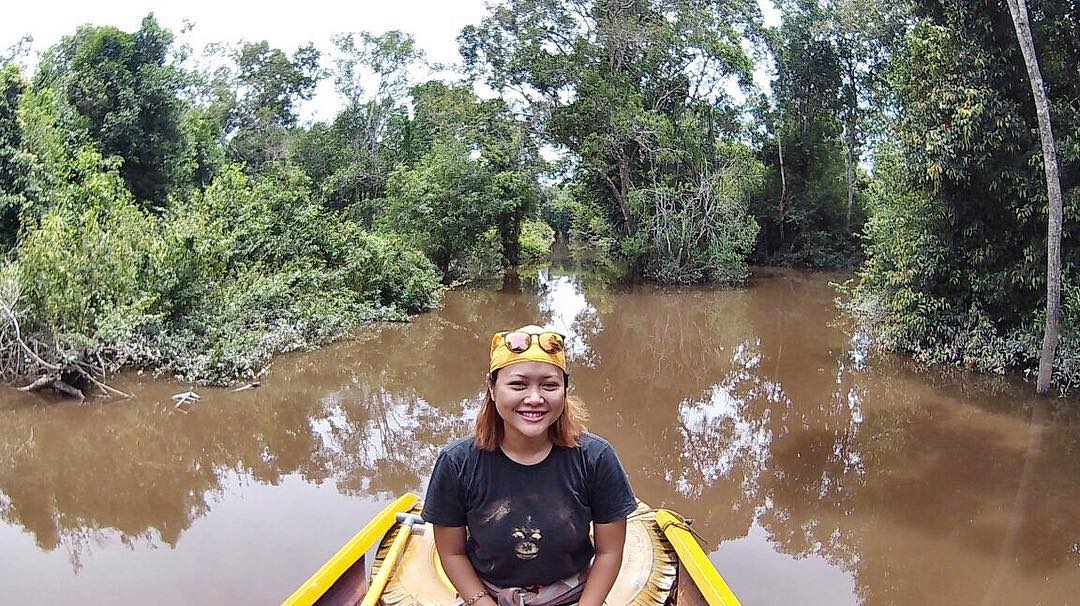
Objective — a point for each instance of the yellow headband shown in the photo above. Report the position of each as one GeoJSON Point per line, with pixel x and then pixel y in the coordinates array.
{"type": "Point", "coordinates": [501, 356]}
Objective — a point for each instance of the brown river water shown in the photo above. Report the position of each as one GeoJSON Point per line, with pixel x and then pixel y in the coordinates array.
{"type": "Point", "coordinates": [816, 475]}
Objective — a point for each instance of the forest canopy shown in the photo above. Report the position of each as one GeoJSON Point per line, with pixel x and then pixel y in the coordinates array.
{"type": "Point", "coordinates": [158, 213]}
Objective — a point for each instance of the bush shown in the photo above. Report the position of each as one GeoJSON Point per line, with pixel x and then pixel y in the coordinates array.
{"type": "Point", "coordinates": [481, 260]}
{"type": "Point", "coordinates": [392, 274]}
{"type": "Point", "coordinates": [914, 297]}
{"type": "Point", "coordinates": [88, 270]}
{"type": "Point", "coordinates": [440, 203]}
{"type": "Point", "coordinates": [699, 232]}
{"type": "Point", "coordinates": [217, 286]}
{"type": "Point", "coordinates": [536, 240]}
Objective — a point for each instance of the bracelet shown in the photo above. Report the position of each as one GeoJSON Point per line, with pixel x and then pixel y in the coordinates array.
{"type": "Point", "coordinates": [476, 598]}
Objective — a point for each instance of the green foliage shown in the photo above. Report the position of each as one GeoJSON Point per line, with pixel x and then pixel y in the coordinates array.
{"type": "Point", "coordinates": [536, 240]}
{"type": "Point", "coordinates": [184, 221]}
{"type": "Point", "coordinates": [351, 157]}
{"type": "Point", "coordinates": [700, 232]}
{"type": "Point", "coordinates": [255, 101]}
{"type": "Point", "coordinates": [576, 217]}
{"type": "Point", "coordinates": [14, 164]}
{"type": "Point", "coordinates": [120, 94]}
{"type": "Point", "coordinates": [811, 143]}
{"type": "Point", "coordinates": [956, 241]}
{"type": "Point", "coordinates": [448, 200]}
{"type": "Point", "coordinates": [214, 288]}
{"type": "Point", "coordinates": [203, 155]}
{"type": "Point", "coordinates": [440, 203]}
{"type": "Point", "coordinates": [90, 263]}
{"type": "Point", "coordinates": [559, 209]}
{"type": "Point", "coordinates": [46, 147]}
{"type": "Point", "coordinates": [387, 57]}
{"type": "Point", "coordinates": [482, 260]}
{"type": "Point", "coordinates": [613, 80]}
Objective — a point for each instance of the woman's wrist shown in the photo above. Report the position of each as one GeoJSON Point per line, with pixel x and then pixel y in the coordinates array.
{"type": "Point", "coordinates": [477, 599]}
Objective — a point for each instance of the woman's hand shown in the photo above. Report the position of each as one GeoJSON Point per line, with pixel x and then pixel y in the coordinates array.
{"type": "Point", "coordinates": [609, 539]}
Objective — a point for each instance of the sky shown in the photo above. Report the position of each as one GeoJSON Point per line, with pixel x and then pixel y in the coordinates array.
{"type": "Point", "coordinates": [287, 25]}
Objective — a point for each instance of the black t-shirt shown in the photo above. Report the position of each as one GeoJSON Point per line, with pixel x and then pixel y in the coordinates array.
{"type": "Point", "coordinates": [528, 524]}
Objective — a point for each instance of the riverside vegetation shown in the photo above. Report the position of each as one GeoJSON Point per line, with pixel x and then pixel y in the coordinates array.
{"type": "Point", "coordinates": [167, 210]}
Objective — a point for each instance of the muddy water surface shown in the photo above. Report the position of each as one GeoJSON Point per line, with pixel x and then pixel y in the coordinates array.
{"type": "Point", "coordinates": [815, 475]}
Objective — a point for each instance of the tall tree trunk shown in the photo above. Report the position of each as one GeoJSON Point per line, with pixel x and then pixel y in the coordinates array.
{"type": "Point", "coordinates": [849, 148]}
{"type": "Point", "coordinates": [851, 122]}
{"type": "Point", "coordinates": [621, 192]}
{"type": "Point", "coordinates": [783, 180]}
{"type": "Point", "coordinates": [1053, 189]}
{"type": "Point", "coordinates": [624, 193]}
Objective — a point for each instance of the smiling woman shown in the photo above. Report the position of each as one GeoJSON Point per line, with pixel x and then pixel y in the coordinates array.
{"type": "Point", "coordinates": [513, 505]}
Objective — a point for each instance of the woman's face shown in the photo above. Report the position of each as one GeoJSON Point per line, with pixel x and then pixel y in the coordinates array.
{"type": "Point", "coordinates": [529, 397]}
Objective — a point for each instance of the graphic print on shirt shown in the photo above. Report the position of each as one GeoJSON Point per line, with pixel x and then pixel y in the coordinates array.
{"type": "Point", "coordinates": [523, 527]}
{"type": "Point", "coordinates": [527, 540]}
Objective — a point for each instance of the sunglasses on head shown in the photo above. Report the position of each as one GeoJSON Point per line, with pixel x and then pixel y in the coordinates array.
{"type": "Point", "coordinates": [518, 341]}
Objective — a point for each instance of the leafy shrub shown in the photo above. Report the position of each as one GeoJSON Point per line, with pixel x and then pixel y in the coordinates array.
{"type": "Point", "coordinates": [88, 269]}
{"type": "Point", "coordinates": [218, 285]}
{"type": "Point", "coordinates": [388, 271]}
{"type": "Point", "coordinates": [699, 232]}
{"type": "Point", "coordinates": [536, 240]}
{"type": "Point", "coordinates": [447, 202]}
{"type": "Point", "coordinates": [559, 210]}
{"type": "Point", "coordinates": [440, 203]}
{"type": "Point", "coordinates": [914, 297]}
{"type": "Point", "coordinates": [480, 260]}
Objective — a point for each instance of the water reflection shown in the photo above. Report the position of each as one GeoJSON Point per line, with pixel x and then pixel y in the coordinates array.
{"type": "Point", "coordinates": [717, 436]}
{"type": "Point", "coordinates": [855, 480]}
{"type": "Point", "coordinates": [565, 308]}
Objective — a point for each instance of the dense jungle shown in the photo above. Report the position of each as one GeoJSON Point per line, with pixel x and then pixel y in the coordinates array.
{"type": "Point", "coordinates": [165, 209]}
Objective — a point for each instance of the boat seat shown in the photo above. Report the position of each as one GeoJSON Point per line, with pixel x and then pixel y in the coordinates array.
{"type": "Point", "coordinates": [646, 578]}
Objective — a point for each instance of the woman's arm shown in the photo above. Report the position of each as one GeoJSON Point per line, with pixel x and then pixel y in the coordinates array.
{"type": "Point", "coordinates": [609, 539]}
{"type": "Point", "coordinates": [450, 543]}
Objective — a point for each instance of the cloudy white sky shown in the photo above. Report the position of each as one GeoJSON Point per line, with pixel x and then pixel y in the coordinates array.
{"type": "Point", "coordinates": [286, 25]}
{"type": "Point", "coordinates": [434, 24]}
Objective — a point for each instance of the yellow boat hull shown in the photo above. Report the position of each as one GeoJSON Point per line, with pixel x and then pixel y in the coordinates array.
{"type": "Point", "coordinates": [662, 564]}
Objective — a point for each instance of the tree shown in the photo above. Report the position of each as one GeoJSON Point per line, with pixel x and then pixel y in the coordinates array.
{"type": "Point", "coordinates": [17, 52]}
{"type": "Point", "coordinates": [388, 58]}
{"type": "Point", "coordinates": [256, 100]}
{"type": "Point", "coordinates": [957, 243]}
{"type": "Point", "coordinates": [633, 89]}
{"type": "Point", "coordinates": [865, 35]}
{"type": "Point", "coordinates": [351, 158]}
{"type": "Point", "coordinates": [447, 201]}
{"type": "Point", "coordinates": [440, 202]}
{"type": "Point", "coordinates": [488, 129]}
{"type": "Point", "coordinates": [1053, 189]}
{"type": "Point", "coordinates": [14, 164]}
{"type": "Point", "coordinates": [123, 93]}
{"type": "Point", "coordinates": [804, 212]}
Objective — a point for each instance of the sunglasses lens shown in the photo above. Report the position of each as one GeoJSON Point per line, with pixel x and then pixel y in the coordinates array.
{"type": "Point", "coordinates": [517, 342]}
{"type": "Point", "coordinates": [551, 342]}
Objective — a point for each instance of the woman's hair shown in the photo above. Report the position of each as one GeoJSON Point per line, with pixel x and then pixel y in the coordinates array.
{"type": "Point", "coordinates": [565, 432]}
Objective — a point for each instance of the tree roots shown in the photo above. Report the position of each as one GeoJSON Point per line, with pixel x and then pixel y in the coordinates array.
{"type": "Point", "coordinates": [21, 358]}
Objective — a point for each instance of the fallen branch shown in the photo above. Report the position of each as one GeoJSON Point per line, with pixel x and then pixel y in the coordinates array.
{"type": "Point", "coordinates": [46, 381]}
{"type": "Point", "coordinates": [108, 389]}
{"type": "Point", "coordinates": [39, 383]}
{"type": "Point", "coordinates": [18, 338]}
{"type": "Point", "coordinates": [185, 399]}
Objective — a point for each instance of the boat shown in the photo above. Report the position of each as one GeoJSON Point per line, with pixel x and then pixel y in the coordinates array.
{"type": "Point", "coordinates": [663, 565]}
